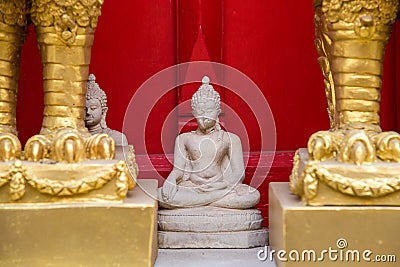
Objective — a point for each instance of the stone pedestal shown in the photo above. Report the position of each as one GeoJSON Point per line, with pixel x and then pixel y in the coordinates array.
{"type": "Point", "coordinates": [338, 235]}
{"type": "Point", "coordinates": [81, 234]}
{"type": "Point", "coordinates": [211, 227]}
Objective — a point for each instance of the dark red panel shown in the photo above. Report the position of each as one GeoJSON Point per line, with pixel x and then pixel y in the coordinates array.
{"type": "Point", "coordinates": [199, 38]}
{"type": "Point", "coordinates": [388, 113]}
{"type": "Point", "coordinates": [134, 40]}
{"type": "Point", "coordinates": [273, 43]}
{"type": "Point", "coordinates": [30, 91]}
{"type": "Point", "coordinates": [397, 74]}
{"type": "Point", "coordinates": [199, 16]}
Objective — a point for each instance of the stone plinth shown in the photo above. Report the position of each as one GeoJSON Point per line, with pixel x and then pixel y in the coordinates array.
{"type": "Point", "coordinates": [211, 227]}
{"type": "Point", "coordinates": [339, 235]}
{"type": "Point", "coordinates": [81, 234]}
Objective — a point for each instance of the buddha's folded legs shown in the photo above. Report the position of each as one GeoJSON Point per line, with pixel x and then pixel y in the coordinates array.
{"type": "Point", "coordinates": [187, 197]}
{"type": "Point", "coordinates": [241, 196]}
{"type": "Point", "coordinates": [238, 197]}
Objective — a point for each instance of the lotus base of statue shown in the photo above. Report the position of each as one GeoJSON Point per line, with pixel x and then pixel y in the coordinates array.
{"type": "Point", "coordinates": [211, 227]}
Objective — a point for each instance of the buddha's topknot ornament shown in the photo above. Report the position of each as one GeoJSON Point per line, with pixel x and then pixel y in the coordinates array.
{"type": "Point", "coordinates": [206, 92]}
{"type": "Point", "coordinates": [95, 92]}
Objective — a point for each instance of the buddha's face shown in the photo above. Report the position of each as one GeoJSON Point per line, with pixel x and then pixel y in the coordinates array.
{"type": "Point", "coordinates": [206, 114]}
{"type": "Point", "coordinates": [93, 113]}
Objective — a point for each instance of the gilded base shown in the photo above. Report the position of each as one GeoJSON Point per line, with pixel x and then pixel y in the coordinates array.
{"type": "Point", "coordinates": [344, 229]}
{"type": "Point", "coordinates": [82, 234]}
{"type": "Point", "coordinates": [334, 183]}
{"type": "Point", "coordinates": [94, 180]}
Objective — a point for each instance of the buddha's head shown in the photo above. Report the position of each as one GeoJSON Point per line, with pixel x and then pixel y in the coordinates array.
{"type": "Point", "coordinates": [96, 104]}
{"type": "Point", "coordinates": [206, 106]}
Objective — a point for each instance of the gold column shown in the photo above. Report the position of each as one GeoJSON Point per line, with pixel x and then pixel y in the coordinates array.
{"type": "Point", "coordinates": [351, 41]}
{"type": "Point", "coordinates": [65, 33]}
{"type": "Point", "coordinates": [12, 35]}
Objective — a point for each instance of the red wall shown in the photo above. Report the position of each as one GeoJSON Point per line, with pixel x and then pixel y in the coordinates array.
{"type": "Point", "coordinates": [269, 41]}
{"type": "Point", "coordinates": [134, 40]}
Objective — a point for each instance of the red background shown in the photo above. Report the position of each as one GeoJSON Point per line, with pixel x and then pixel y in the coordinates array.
{"type": "Point", "coordinates": [269, 41]}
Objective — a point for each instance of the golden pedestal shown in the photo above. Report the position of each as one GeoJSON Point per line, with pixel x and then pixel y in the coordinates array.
{"type": "Point", "coordinates": [331, 182]}
{"type": "Point", "coordinates": [82, 234]}
{"type": "Point", "coordinates": [88, 181]}
{"type": "Point", "coordinates": [331, 236]}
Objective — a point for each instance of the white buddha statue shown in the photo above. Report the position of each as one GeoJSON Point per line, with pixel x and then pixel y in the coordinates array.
{"type": "Point", "coordinates": [96, 111]}
{"type": "Point", "coordinates": [208, 163]}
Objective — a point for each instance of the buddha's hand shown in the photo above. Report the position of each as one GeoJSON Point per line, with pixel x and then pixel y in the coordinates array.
{"type": "Point", "coordinates": [169, 190]}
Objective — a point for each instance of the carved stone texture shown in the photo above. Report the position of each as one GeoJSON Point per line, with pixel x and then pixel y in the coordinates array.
{"type": "Point", "coordinates": [207, 204]}
{"type": "Point", "coordinates": [208, 163]}
{"type": "Point", "coordinates": [209, 219]}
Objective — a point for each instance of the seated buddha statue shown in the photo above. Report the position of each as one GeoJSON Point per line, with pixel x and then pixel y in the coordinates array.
{"type": "Point", "coordinates": [208, 162]}
{"type": "Point", "coordinates": [96, 111]}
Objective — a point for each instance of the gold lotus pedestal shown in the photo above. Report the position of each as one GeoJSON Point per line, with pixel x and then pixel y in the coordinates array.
{"type": "Point", "coordinates": [347, 181]}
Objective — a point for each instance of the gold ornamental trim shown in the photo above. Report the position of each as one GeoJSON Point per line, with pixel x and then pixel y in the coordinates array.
{"type": "Point", "coordinates": [13, 12]}
{"type": "Point", "coordinates": [66, 13]}
{"type": "Point", "coordinates": [295, 184]}
{"type": "Point", "coordinates": [383, 11]}
{"type": "Point", "coordinates": [372, 187]}
{"type": "Point", "coordinates": [368, 187]}
{"type": "Point", "coordinates": [19, 176]}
